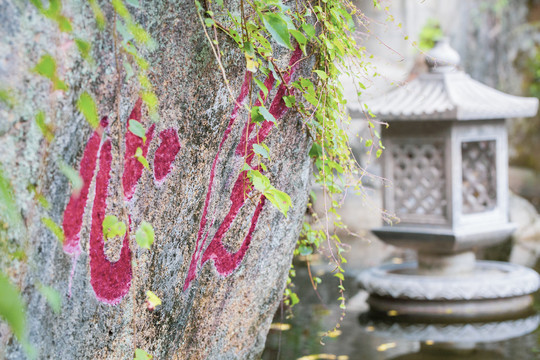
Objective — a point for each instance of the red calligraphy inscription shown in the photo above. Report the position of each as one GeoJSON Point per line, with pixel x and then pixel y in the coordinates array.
{"type": "Point", "coordinates": [166, 153]}
{"type": "Point", "coordinates": [73, 215]}
{"type": "Point", "coordinates": [110, 280]}
{"type": "Point", "coordinates": [132, 167]}
{"type": "Point", "coordinates": [225, 261]}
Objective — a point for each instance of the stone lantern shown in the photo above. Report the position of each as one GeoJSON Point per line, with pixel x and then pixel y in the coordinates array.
{"type": "Point", "coordinates": [447, 160]}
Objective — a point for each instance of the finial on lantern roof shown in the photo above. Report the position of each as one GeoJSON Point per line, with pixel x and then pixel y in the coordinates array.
{"type": "Point", "coordinates": [442, 57]}
{"type": "Point", "coordinates": [446, 93]}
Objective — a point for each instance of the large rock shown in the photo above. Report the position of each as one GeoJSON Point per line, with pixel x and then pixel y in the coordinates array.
{"type": "Point", "coordinates": [236, 250]}
{"type": "Point", "coordinates": [526, 239]}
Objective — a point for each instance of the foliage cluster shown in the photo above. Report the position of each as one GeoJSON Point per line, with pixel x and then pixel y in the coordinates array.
{"type": "Point", "coordinates": [322, 29]}
{"type": "Point", "coordinates": [130, 40]}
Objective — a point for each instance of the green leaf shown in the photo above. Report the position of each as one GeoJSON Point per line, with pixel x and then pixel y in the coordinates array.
{"type": "Point", "coordinates": [261, 85]}
{"type": "Point", "coordinates": [339, 276]}
{"type": "Point", "coordinates": [369, 142]}
{"type": "Point", "coordinates": [321, 74]}
{"type": "Point", "coordinates": [279, 199]}
{"type": "Point", "coordinates": [63, 23]}
{"type": "Point", "coordinates": [248, 48]}
{"type": "Point", "coordinates": [98, 14]}
{"type": "Point", "coordinates": [294, 299]}
{"type": "Point", "coordinates": [46, 67]}
{"type": "Point", "coordinates": [259, 181]}
{"type": "Point", "coordinates": [12, 311]}
{"type": "Point", "coordinates": [121, 9]}
{"type": "Point", "coordinates": [119, 229]}
{"type": "Point", "coordinates": [261, 150]}
{"type": "Point", "coordinates": [143, 161]}
{"type": "Point", "coordinates": [151, 100]}
{"type": "Point", "coordinates": [141, 158]}
{"type": "Point", "coordinates": [9, 211]}
{"type": "Point", "coordinates": [142, 355]}
{"type": "Point", "coordinates": [378, 153]}
{"type": "Point", "coordinates": [108, 223]}
{"type": "Point", "coordinates": [37, 4]}
{"type": "Point", "coordinates": [55, 6]}
{"type": "Point", "coordinates": [139, 33]}
{"type": "Point", "coordinates": [145, 235]}
{"type": "Point", "coordinates": [309, 30]}
{"type": "Point", "coordinates": [88, 108]}
{"type": "Point", "coordinates": [129, 70]}
{"type": "Point", "coordinates": [138, 130]}
{"type": "Point", "coordinates": [256, 116]}
{"type": "Point", "coordinates": [112, 227]}
{"type": "Point", "coordinates": [73, 177]}
{"type": "Point", "coordinates": [52, 296]}
{"type": "Point", "coordinates": [84, 48]}
{"type": "Point", "coordinates": [305, 250]}
{"type": "Point", "coordinates": [315, 151]}
{"type": "Point", "coordinates": [290, 100]}
{"type": "Point", "coordinates": [277, 27]}
{"type": "Point", "coordinates": [60, 85]}
{"type": "Point", "coordinates": [124, 32]}
{"type": "Point", "coordinates": [45, 128]}
{"type": "Point", "coordinates": [54, 228]}
{"type": "Point", "coordinates": [7, 98]}
{"type": "Point", "coordinates": [266, 114]}
{"type": "Point", "coordinates": [43, 201]}
{"type": "Point", "coordinates": [300, 38]}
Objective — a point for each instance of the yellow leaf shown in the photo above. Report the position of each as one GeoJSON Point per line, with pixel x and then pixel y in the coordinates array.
{"type": "Point", "coordinates": [152, 300]}
{"type": "Point", "coordinates": [250, 64]}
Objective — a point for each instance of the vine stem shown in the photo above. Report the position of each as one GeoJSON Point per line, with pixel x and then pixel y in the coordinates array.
{"type": "Point", "coordinates": [312, 282]}
{"type": "Point", "coordinates": [217, 56]}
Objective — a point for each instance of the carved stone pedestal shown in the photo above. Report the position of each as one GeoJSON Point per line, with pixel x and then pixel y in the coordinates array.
{"type": "Point", "coordinates": [492, 290]}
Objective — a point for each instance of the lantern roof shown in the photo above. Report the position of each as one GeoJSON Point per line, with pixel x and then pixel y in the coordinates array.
{"type": "Point", "coordinates": [447, 93]}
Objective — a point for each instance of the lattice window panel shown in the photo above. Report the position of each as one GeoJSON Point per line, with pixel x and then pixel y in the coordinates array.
{"type": "Point", "coordinates": [419, 181]}
{"type": "Point", "coordinates": [479, 176]}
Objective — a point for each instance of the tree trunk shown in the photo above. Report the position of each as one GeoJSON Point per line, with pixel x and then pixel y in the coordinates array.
{"type": "Point", "coordinates": [222, 252]}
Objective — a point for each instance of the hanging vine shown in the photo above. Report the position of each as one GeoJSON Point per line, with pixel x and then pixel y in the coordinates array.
{"type": "Point", "coordinates": [324, 30]}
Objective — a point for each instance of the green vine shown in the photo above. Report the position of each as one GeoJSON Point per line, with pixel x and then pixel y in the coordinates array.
{"type": "Point", "coordinates": [131, 40]}
{"type": "Point", "coordinates": [324, 31]}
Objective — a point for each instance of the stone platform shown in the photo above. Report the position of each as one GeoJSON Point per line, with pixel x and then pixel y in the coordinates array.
{"type": "Point", "coordinates": [492, 290]}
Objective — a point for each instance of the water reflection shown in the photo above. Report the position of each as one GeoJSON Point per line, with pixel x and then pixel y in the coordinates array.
{"type": "Point", "coordinates": [363, 337]}
{"type": "Point", "coordinates": [449, 340]}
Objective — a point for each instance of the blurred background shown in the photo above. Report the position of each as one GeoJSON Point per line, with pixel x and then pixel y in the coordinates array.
{"type": "Point", "coordinates": [499, 45]}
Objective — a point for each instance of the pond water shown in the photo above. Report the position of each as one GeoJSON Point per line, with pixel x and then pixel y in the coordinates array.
{"type": "Point", "coordinates": [360, 337]}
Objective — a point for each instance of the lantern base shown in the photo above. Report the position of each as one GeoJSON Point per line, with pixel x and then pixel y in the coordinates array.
{"type": "Point", "coordinates": [492, 290]}
{"type": "Point", "coordinates": [443, 240]}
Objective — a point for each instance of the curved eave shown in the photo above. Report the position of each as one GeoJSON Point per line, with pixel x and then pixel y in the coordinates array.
{"type": "Point", "coordinates": [476, 101]}
{"type": "Point", "coordinates": [449, 96]}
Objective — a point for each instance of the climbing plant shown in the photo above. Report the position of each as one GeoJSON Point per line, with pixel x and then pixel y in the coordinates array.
{"type": "Point", "coordinates": [324, 31]}
{"type": "Point", "coordinates": [319, 33]}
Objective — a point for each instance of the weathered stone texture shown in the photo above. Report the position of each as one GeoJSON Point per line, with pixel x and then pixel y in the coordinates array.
{"type": "Point", "coordinates": [217, 317]}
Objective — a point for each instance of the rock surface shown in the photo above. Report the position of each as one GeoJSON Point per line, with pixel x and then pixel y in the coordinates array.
{"type": "Point", "coordinates": [526, 239]}
{"type": "Point", "coordinates": [225, 309]}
